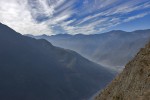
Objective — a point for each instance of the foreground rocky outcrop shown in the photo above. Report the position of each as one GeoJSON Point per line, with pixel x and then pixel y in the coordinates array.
{"type": "Point", "coordinates": [134, 82]}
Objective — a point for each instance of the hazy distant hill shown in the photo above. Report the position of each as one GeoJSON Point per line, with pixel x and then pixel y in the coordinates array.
{"type": "Point", "coordinates": [134, 82]}
{"type": "Point", "coordinates": [112, 49]}
{"type": "Point", "coordinates": [33, 69]}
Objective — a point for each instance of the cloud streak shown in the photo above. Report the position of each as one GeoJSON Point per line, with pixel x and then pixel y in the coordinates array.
{"type": "Point", "coordinates": [69, 16]}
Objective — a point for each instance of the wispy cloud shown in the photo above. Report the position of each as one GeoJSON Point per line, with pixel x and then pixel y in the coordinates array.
{"type": "Point", "coordinates": [136, 16]}
{"type": "Point", "coordinates": [69, 16]}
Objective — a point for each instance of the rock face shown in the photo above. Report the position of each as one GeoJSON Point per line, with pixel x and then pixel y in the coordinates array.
{"type": "Point", "coordinates": [134, 82]}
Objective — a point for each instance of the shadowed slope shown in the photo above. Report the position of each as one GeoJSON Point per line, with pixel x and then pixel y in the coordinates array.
{"type": "Point", "coordinates": [33, 69]}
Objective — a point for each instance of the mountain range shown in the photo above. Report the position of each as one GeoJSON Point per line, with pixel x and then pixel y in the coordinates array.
{"type": "Point", "coordinates": [133, 83]}
{"type": "Point", "coordinates": [32, 69]}
{"type": "Point", "coordinates": [112, 49]}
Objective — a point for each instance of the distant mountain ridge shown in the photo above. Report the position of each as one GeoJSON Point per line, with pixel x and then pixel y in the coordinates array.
{"type": "Point", "coordinates": [33, 69]}
{"type": "Point", "coordinates": [112, 49]}
{"type": "Point", "coordinates": [133, 83]}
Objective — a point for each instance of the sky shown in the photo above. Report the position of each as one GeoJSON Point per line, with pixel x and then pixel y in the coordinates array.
{"type": "Point", "coordinates": [52, 17]}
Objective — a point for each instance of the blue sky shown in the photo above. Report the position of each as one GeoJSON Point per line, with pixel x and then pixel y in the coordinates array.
{"type": "Point", "coordinates": [74, 16]}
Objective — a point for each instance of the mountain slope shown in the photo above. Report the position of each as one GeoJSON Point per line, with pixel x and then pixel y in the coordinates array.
{"type": "Point", "coordinates": [33, 69]}
{"type": "Point", "coordinates": [113, 49]}
{"type": "Point", "coordinates": [134, 82]}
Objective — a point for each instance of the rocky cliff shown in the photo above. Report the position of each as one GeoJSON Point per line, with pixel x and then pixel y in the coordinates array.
{"type": "Point", "coordinates": [133, 83]}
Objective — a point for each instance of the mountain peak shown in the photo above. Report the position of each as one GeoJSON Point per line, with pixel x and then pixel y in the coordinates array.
{"type": "Point", "coordinates": [6, 30]}
{"type": "Point", "coordinates": [133, 82]}
{"type": "Point", "coordinates": [1, 24]}
{"type": "Point", "coordinates": [118, 31]}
